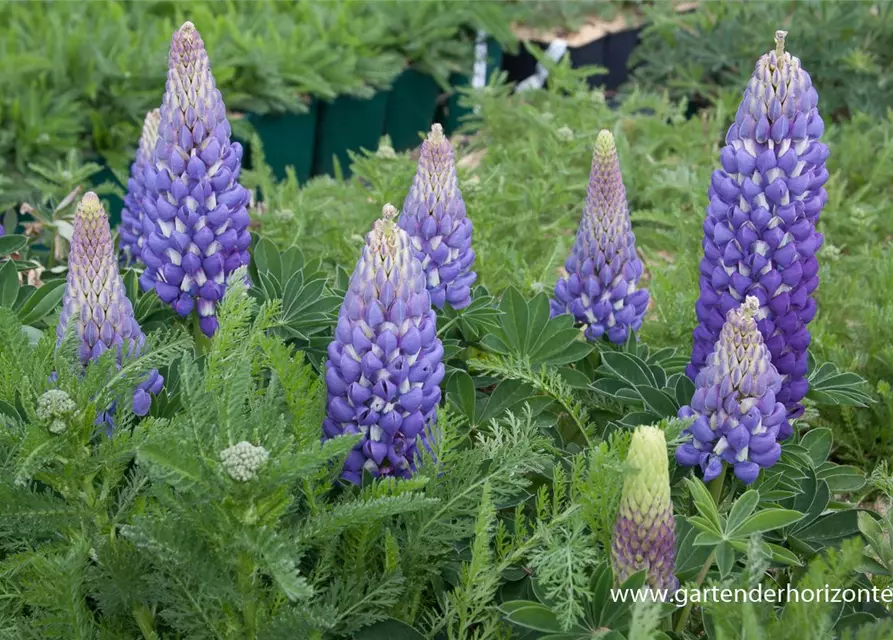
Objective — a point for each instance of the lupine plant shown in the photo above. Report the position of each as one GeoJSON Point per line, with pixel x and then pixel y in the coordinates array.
{"type": "Point", "coordinates": [195, 222]}
{"type": "Point", "coordinates": [601, 288]}
{"type": "Point", "coordinates": [645, 532]}
{"type": "Point", "coordinates": [458, 464]}
{"type": "Point", "coordinates": [384, 367]}
{"type": "Point", "coordinates": [760, 235]}
{"type": "Point", "coordinates": [95, 305]}
{"type": "Point", "coordinates": [434, 217]}
{"type": "Point", "coordinates": [737, 418]}
{"type": "Point", "coordinates": [131, 229]}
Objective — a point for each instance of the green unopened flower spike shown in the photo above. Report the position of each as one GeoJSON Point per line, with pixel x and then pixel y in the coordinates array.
{"type": "Point", "coordinates": [243, 460]}
{"type": "Point", "coordinates": [645, 531]}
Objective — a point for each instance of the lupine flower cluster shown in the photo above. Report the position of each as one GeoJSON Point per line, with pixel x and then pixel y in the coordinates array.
{"type": "Point", "coordinates": [738, 418]}
{"type": "Point", "coordinates": [384, 366]}
{"type": "Point", "coordinates": [435, 219]}
{"type": "Point", "coordinates": [195, 218]}
{"type": "Point", "coordinates": [131, 228]}
{"type": "Point", "coordinates": [603, 270]}
{"type": "Point", "coordinates": [645, 531]}
{"type": "Point", "coordinates": [96, 303]}
{"type": "Point", "coordinates": [760, 234]}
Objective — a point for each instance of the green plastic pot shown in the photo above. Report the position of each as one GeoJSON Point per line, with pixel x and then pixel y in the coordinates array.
{"type": "Point", "coordinates": [411, 108]}
{"type": "Point", "coordinates": [288, 140]}
{"type": "Point", "coordinates": [347, 124]}
{"type": "Point", "coordinates": [451, 113]}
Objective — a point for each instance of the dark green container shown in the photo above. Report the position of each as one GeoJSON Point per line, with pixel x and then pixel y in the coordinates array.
{"type": "Point", "coordinates": [288, 140]}
{"type": "Point", "coordinates": [347, 124]}
{"type": "Point", "coordinates": [451, 113]}
{"type": "Point", "coordinates": [411, 108]}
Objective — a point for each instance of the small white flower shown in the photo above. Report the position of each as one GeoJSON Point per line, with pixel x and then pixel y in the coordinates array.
{"type": "Point", "coordinates": [243, 460]}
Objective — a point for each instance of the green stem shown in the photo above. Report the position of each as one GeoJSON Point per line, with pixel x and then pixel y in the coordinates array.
{"type": "Point", "coordinates": [202, 342]}
{"type": "Point", "coordinates": [715, 488]}
{"type": "Point", "coordinates": [145, 621]}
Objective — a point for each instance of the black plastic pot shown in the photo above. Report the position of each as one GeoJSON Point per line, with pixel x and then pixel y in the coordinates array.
{"type": "Point", "coordinates": [451, 113]}
{"type": "Point", "coordinates": [411, 108]}
{"type": "Point", "coordinates": [288, 140]}
{"type": "Point", "coordinates": [619, 47]}
{"type": "Point", "coordinates": [347, 124]}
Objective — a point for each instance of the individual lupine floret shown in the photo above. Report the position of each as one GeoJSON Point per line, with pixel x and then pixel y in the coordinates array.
{"type": "Point", "coordinates": [603, 270]}
{"type": "Point", "coordinates": [384, 367]}
{"type": "Point", "coordinates": [95, 300]}
{"type": "Point", "coordinates": [434, 217]}
{"type": "Point", "coordinates": [132, 214]}
{"type": "Point", "coordinates": [760, 234]}
{"type": "Point", "coordinates": [645, 531]}
{"type": "Point", "coordinates": [195, 221]}
{"type": "Point", "coordinates": [242, 461]}
{"type": "Point", "coordinates": [738, 418]}
{"type": "Point", "coordinates": [55, 407]}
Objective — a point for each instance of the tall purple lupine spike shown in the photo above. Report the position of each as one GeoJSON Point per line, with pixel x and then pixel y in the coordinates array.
{"type": "Point", "coordinates": [434, 217]}
{"type": "Point", "coordinates": [196, 221]}
{"type": "Point", "coordinates": [384, 367]}
{"type": "Point", "coordinates": [603, 270]}
{"type": "Point", "coordinates": [132, 213]}
{"type": "Point", "coordinates": [95, 299]}
{"type": "Point", "coordinates": [738, 418]}
{"type": "Point", "coordinates": [760, 234]}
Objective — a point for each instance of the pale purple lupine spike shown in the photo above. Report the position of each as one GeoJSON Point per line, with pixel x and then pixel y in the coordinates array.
{"type": "Point", "coordinates": [196, 221]}
{"type": "Point", "coordinates": [738, 417]}
{"type": "Point", "coordinates": [95, 299]}
{"type": "Point", "coordinates": [760, 235]}
{"type": "Point", "coordinates": [603, 270]}
{"type": "Point", "coordinates": [645, 530]}
{"type": "Point", "coordinates": [132, 213]}
{"type": "Point", "coordinates": [384, 367]}
{"type": "Point", "coordinates": [434, 217]}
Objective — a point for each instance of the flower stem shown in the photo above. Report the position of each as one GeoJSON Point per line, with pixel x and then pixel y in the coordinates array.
{"type": "Point", "coordinates": [202, 342]}
{"type": "Point", "coordinates": [715, 488]}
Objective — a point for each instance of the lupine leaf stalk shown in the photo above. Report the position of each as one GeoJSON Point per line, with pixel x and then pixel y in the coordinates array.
{"type": "Point", "coordinates": [195, 222]}
{"type": "Point", "coordinates": [738, 418]}
{"type": "Point", "coordinates": [96, 303]}
{"type": "Point", "coordinates": [434, 217]}
{"type": "Point", "coordinates": [760, 235]}
{"type": "Point", "coordinates": [131, 227]}
{"type": "Point", "coordinates": [645, 531]}
{"type": "Point", "coordinates": [384, 366]}
{"type": "Point", "coordinates": [601, 286]}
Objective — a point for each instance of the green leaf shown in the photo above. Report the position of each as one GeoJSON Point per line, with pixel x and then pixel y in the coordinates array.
{"type": "Point", "coordinates": [534, 616]}
{"type": "Point", "coordinates": [841, 478]}
{"type": "Point", "coordinates": [389, 629]}
{"type": "Point", "coordinates": [830, 527]}
{"type": "Point", "coordinates": [657, 401]}
{"type": "Point", "coordinates": [9, 284]}
{"type": "Point", "coordinates": [704, 503]}
{"type": "Point", "coordinates": [818, 443]}
{"type": "Point", "coordinates": [742, 509]}
{"type": "Point", "coordinates": [626, 367]}
{"type": "Point", "coordinates": [460, 392]}
{"type": "Point", "coordinates": [42, 302]}
{"type": "Point", "coordinates": [766, 520]}
{"type": "Point", "coordinates": [11, 244]}
{"type": "Point", "coordinates": [725, 559]}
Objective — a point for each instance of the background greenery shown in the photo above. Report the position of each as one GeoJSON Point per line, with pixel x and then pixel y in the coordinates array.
{"type": "Point", "coordinates": [509, 536]}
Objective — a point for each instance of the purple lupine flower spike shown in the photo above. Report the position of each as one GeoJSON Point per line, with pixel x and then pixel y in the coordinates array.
{"type": "Point", "coordinates": [603, 270]}
{"type": "Point", "coordinates": [434, 217]}
{"type": "Point", "coordinates": [738, 417]}
{"type": "Point", "coordinates": [760, 234]}
{"type": "Point", "coordinates": [384, 366]}
{"type": "Point", "coordinates": [132, 213]}
{"type": "Point", "coordinates": [96, 301]}
{"type": "Point", "coordinates": [645, 530]}
{"type": "Point", "coordinates": [196, 221]}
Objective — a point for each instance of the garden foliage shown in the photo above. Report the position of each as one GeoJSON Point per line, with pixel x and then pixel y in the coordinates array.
{"type": "Point", "coordinates": [290, 480]}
